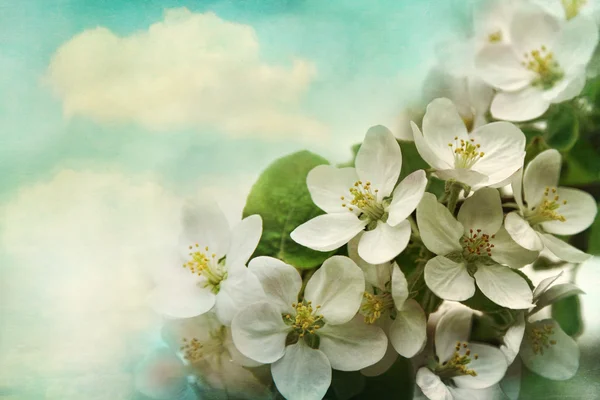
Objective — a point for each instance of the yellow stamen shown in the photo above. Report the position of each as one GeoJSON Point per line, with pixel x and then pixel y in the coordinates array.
{"type": "Point", "coordinates": [466, 152]}
{"type": "Point", "coordinates": [544, 65]}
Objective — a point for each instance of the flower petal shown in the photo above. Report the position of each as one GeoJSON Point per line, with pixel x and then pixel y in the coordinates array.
{"type": "Point", "coordinates": [384, 242]}
{"type": "Point", "coordinates": [259, 332]}
{"type": "Point", "coordinates": [556, 293]}
{"type": "Point", "coordinates": [329, 231]}
{"type": "Point", "coordinates": [559, 361]}
{"type": "Point", "coordinates": [504, 286]}
{"type": "Point", "coordinates": [406, 197]}
{"type": "Point", "coordinates": [353, 345]}
{"type": "Point", "coordinates": [244, 239]}
{"type": "Point", "coordinates": [439, 230]}
{"type": "Point", "coordinates": [381, 366]}
{"type": "Point", "coordinates": [544, 285]}
{"type": "Point", "coordinates": [379, 160]}
{"type": "Point", "coordinates": [453, 326]}
{"type": "Point", "coordinates": [569, 87]}
{"type": "Point", "coordinates": [482, 211]}
{"type": "Point", "coordinates": [490, 367]}
{"type": "Point", "coordinates": [522, 233]}
{"type": "Point", "coordinates": [162, 375]}
{"type": "Point", "coordinates": [303, 373]}
{"type": "Point", "coordinates": [523, 105]}
{"type": "Point", "coordinates": [579, 212]}
{"type": "Point", "coordinates": [466, 176]}
{"type": "Point", "coordinates": [177, 300]}
{"type": "Point", "coordinates": [500, 66]}
{"type": "Point", "coordinates": [338, 287]}
{"type": "Point", "coordinates": [204, 223]}
{"type": "Point", "coordinates": [432, 386]}
{"type": "Point", "coordinates": [281, 282]}
{"type": "Point", "coordinates": [563, 250]}
{"type": "Point", "coordinates": [507, 252]}
{"type": "Point", "coordinates": [408, 332]}
{"type": "Point", "coordinates": [426, 152]}
{"type": "Point", "coordinates": [441, 125]}
{"type": "Point", "coordinates": [531, 28]}
{"type": "Point", "coordinates": [236, 292]}
{"type": "Point", "coordinates": [517, 187]}
{"type": "Point", "coordinates": [327, 184]}
{"type": "Point", "coordinates": [448, 279]}
{"type": "Point", "coordinates": [576, 42]}
{"type": "Point", "coordinates": [541, 173]}
{"type": "Point", "coordinates": [399, 287]}
{"type": "Point", "coordinates": [377, 275]}
{"type": "Point", "coordinates": [512, 339]}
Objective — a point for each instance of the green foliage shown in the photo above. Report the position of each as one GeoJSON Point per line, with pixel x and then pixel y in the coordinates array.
{"type": "Point", "coordinates": [567, 312]}
{"type": "Point", "coordinates": [535, 147]}
{"type": "Point", "coordinates": [281, 198]}
{"type": "Point", "coordinates": [594, 237]}
{"type": "Point", "coordinates": [563, 129]}
{"type": "Point", "coordinates": [396, 383]}
{"type": "Point", "coordinates": [346, 385]}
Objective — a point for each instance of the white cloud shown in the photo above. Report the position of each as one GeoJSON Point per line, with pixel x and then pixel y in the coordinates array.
{"type": "Point", "coordinates": [190, 70]}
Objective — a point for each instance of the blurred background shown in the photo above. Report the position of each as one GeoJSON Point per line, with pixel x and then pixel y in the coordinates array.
{"type": "Point", "coordinates": [210, 92]}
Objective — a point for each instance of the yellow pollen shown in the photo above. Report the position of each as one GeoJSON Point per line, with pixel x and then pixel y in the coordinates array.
{"type": "Point", "coordinates": [547, 209]}
{"type": "Point", "coordinates": [306, 319]}
{"type": "Point", "coordinates": [457, 364]}
{"type": "Point", "coordinates": [364, 198]}
{"type": "Point", "coordinates": [466, 152]}
{"type": "Point", "coordinates": [204, 263]}
{"type": "Point", "coordinates": [546, 68]}
{"type": "Point", "coordinates": [374, 305]}
{"type": "Point", "coordinates": [495, 37]}
{"type": "Point", "coordinates": [540, 338]}
{"type": "Point", "coordinates": [572, 7]}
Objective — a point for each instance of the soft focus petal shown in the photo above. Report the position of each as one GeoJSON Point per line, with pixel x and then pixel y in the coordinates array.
{"type": "Point", "coordinates": [329, 231]}
{"type": "Point", "coordinates": [381, 366]}
{"type": "Point", "coordinates": [490, 367]}
{"type": "Point", "coordinates": [281, 282]}
{"type": "Point", "coordinates": [161, 375]}
{"type": "Point", "coordinates": [563, 250]}
{"type": "Point", "coordinates": [441, 125]}
{"type": "Point", "coordinates": [507, 252]}
{"type": "Point", "coordinates": [504, 286]}
{"type": "Point", "coordinates": [448, 279]}
{"type": "Point", "coordinates": [531, 28]}
{"type": "Point", "coordinates": [522, 233]}
{"type": "Point", "coordinates": [512, 339]}
{"type": "Point", "coordinates": [399, 287]}
{"type": "Point", "coordinates": [432, 386]}
{"type": "Point", "coordinates": [576, 42]}
{"type": "Point", "coordinates": [244, 239]}
{"type": "Point", "coordinates": [327, 184]}
{"type": "Point", "coordinates": [259, 332]}
{"type": "Point", "coordinates": [426, 152]}
{"type": "Point", "coordinates": [177, 300]}
{"type": "Point", "coordinates": [377, 275]}
{"type": "Point", "coordinates": [579, 211]}
{"type": "Point", "coordinates": [337, 287]}
{"type": "Point", "coordinates": [453, 326]}
{"type": "Point", "coordinates": [556, 293]}
{"type": "Point", "coordinates": [482, 211]}
{"type": "Point", "coordinates": [463, 175]}
{"type": "Point", "coordinates": [406, 197]}
{"type": "Point", "coordinates": [559, 361]}
{"type": "Point", "coordinates": [379, 160]}
{"type": "Point", "coordinates": [439, 230]}
{"type": "Point", "coordinates": [523, 105]}
{"type": "Point", "coordinates": [353, 345]}
{"type": "Point", "coordinates": [500, 66]}
{"type": "Point", "coordinates": [204, 223]}
{"type": "Point", "coordinates": [236, 292]}
{"type": "Point", "coordinates": [384, 242]}
{"type": "Point", "coordinates": [568, 87]}
{"type": "Point", "coordinates": [303, 373]}
{"type": "Point", "coordinates": [408, 332]}
{"type": "Point", "coordinates": [541, 173]}
{"type": "Point", "coordinates": [517, 187]}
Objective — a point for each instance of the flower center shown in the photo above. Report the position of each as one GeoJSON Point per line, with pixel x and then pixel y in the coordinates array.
{"type": "Point", "coordinates": [466, 152]}
{"type": "Point", "coordinates": [193, 350]}
{"type": "Point", "coordinates": [477, 244]}
{"type": "Point", "coordinates": [495, 37]}
{"type": "Point", "coordinates": [457, 364]}
{"type": "Point", "coordinates": [546, 210]}
{"type": "Point", "coordinates": [306, 319]}
{"type": "Point", "coordinates": [373, 305]}
{"type": "Point", "coordinates": [572, 7]}
{"type": "Point", "coordinates": [364, 198]}
{"type": "Point", "coordinates": [540, 338]}
{"type": "Point", "coordinates": [203, 263]}
{"type": "Point", "coordinates": [543, 64]}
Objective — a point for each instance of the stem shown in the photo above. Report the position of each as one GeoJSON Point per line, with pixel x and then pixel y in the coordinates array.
{"type": "Point", "coordinates": [453, 189]}
{"type": "Point", "coordinates": [305, 278]}
{"type": "Point", "coordinates": [416, 235]}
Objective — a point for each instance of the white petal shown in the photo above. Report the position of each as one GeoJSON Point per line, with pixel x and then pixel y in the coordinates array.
{"type": "Point", "coordinates": [448, 279]}
{"type": "Point", "coordinates": [500, 66]}
{"type": "Point", "coordinates": [576, 42]}
{"type": "Point", "coordinates": [303, 373]}
{"type": "Point", "coordinates": [512, 339]}
{"type": "Point", "coordinates": [259, 332]}
{"type": "Point", "coordinates": [408, 332]}
{"type": "Point", "coordinates": [281, 282]}
{"type": "Point", "coordinates": [524, 105]}
{"type": "Point", "coordinates": [504, 286]}
{"type": "Point", "coordinates": [426, 152]}
{"type": "Point", "coordinates": [579, 212]}
{"type": "Point", "coordinates": [406, 197]}
{"type": "Point", "coordinates": [544, 285]}
{"type": "Point", "coordinates": [503, 145]}
{"type": "Point", "coordinates": [531, 28]}
{"type": "Point", "coordinates": [558, 362]}
{"type": "Point", "coordinates": [239, 290]}
{"type": "Point", "coordinates": [353, 345]}
{"type": "Point", "coordinates": [466, 176]}
{"type": "Point", "coordinates": [244, 239]}
{"type": "Point", "coordinates": [480, 95]}
{"type": "Point", "coordinates": [556, 293]}
{"type": "Point", "coordinates": [439, 230]}
{"type": "Point", "coordinates": [177, 300]}
{"type": "Point", "coordinates": [384, 242]}
{"type": "Point", "coordinates": [542, 172]}
{"type": "Point", "coordinates": [161, 375]}
{"type": "Point", "coordinates": [327, 184]}
{"type": "Point", "coordinates": [441, 125]}
{"type": "Point", "coordinates": [522, 233]}
{"type": "Point", "coordinates": [517, 187]}
{"type": "Point", "coordinates": [569, 87]}
{"type": "Point", "coordinates": [490, 367]}
{"type": "Point", "coordinates": [329, 231]}
{"type": "Point", "coordinates": [432, 386]}
{"type": "Point", "coordinates": [379, 160]}
{"type": "Point", "coordinates": [337, 287]}
{"type": "Point", "coordinates": [399, 287]}
{"type": "Point", "coordinates": [204, 223]}
{"type": "Point", "coordinates": [563, 250]}
{"type": "Point", "coordinates": [377, 275]}
{"type": "Point", "coordinates": [381, 366]}
{"type": "Point", "coordinates": [453, 326]}
{"type": "Point", "coordinates": [507, 252]}
{"type": "Point", "coordinates": [234, 355]}
{"type": "Point", "coordinates": [482, 211]}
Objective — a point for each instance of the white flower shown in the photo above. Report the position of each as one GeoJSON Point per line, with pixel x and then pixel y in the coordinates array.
{"type": "Point", "coordinates": [569, 9]}
{"type": "Point", "coordinates": [486, 157]}
{"type": "Point", "coordinates": [546, 209]}
{"type": "Point", "coordinates": [207, 347]}
{"type": "Point", "coordinates": [386, 304]}
{"type": "Point", "coordinates": [214, 271]}
{"type": "Point", "coordinates": [305, 339]}
{"type": "Point", "coordinates": [459, 368]}
{"type": "Point", "coordinates": [544, 347]}
{"type": "Point", "coordinates": [543, 64]}
{"type": "Point", "coordinates": [470, 249]}
{"type": "Point", "coordinates": [362, 198]}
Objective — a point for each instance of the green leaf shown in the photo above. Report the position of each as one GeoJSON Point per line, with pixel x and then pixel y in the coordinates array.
{"type": "Point", "coordinates": [346, 385]}
{"type": "Point", "coordinates": [396, 383]}
{"type": "Point", "coordinates": [581, 164]}
{"type": "Point", "coordinates": [594, 238]}
{"type": "Point", "coordinates": [411, 159]}
{"type": "Point", "coordinates": [563, 129]}
{"type": "Point", "coordinates": [567, 312]}
{"type": "Point", "coordinates": [535, 147]}
{"type": "Point", "coordinates": [281, 198]}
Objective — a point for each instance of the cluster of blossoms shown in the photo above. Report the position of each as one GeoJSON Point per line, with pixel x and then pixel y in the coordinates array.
{"type": "Point", "coordinates": [247, 325]}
